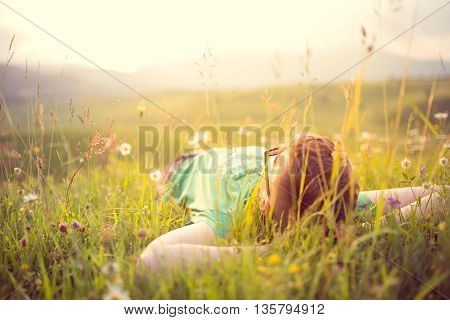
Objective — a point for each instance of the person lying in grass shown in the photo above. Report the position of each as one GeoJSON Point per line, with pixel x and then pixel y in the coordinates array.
{"type": "Point", "coordinates": [313, 174]}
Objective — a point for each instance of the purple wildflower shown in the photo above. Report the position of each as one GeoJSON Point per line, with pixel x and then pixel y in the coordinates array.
{"type": "Point", "coordinates": [423, 170]}
{"type": "Point", "coordinates": [76, 224]}
{"type": "Point", "coordinates": [63, 227]}
{"type": "Point", "coordinates": [393, 203]}
{"type": "Point", "coordinates": [23, 242]}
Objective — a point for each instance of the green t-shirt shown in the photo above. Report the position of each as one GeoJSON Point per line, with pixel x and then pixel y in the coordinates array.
{"type": "Point", "coordinates": [217, 183]}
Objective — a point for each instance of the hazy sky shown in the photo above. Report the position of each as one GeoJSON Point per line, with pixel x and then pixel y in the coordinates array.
{"type": "Point", "coordinates": [128, 35]}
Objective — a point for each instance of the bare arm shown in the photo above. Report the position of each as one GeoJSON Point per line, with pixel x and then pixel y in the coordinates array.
{"type": "Point", "coordinates": [406, 196]}
{"type": "Point", "coordinates": [419, 200]}
{"type": "Point", "coordinates": [193, 244]}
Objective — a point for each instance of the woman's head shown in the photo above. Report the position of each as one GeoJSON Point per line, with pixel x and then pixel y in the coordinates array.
{"type": "Point", "coordinates": [305, 176]}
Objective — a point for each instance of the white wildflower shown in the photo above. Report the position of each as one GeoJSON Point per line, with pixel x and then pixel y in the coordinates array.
{"type": "Point", "coordinates": [406, 163]}
{"type": "Point", "coordinates": [443, 162]}
{"type": "Point", "coordinates": [155, 175]}
{"type": "Point", "coordinates": [441, 115]}
{"type": "Point", "coordinates": [125, 149]}
{"type": "Point", "coordinates": [17, 171]}
{"type": "Point", "coordinates": [116, 292]}
{"type": "Point", "coordinates": [30, 197]}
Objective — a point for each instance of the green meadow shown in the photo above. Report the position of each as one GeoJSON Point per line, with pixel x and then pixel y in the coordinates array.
{"type": "Point", "coordinates": [72, 226]}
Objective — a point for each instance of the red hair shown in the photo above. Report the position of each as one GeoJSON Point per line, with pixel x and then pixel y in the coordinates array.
{"type": "Point", "coordinates": [307, 181]}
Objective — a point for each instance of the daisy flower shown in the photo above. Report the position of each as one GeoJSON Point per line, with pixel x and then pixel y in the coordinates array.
{"type": "Point", "coordinates": [116, 292]}
{"type": "Point", "coordinates": [17, 171]}
{"type": "Point", "coordinates": [30, 197]}
{"type": "Point", "coordinates": [155, 175]}
{"type": "Point", "coordinates": [406, 163]}
{"type": "Point", "coordinates": [125, 149]}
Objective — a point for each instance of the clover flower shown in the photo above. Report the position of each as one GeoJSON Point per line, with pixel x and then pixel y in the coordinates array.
{"type": "Point", "coordinates": [62, 227]}
{"type": "Point", "coordinates": [76, 224]}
